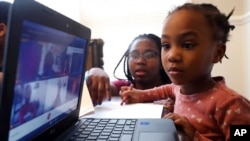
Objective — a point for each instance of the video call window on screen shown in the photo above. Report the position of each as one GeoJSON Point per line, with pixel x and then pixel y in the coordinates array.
{"type": "Point", "coordinates": [49, 68]}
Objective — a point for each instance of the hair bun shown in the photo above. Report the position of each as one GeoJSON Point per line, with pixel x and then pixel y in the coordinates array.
{"type": "Point", "coordinates": [231, 27]}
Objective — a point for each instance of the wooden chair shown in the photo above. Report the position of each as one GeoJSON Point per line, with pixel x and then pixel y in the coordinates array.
{"type": "Point", "coordinates": [95, 54]}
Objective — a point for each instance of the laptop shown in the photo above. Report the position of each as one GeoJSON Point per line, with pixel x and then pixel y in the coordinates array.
{"type": "Point", "coordinates": [44, 67]}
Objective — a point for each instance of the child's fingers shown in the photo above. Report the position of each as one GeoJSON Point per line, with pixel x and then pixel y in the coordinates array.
{"type": "Point", "coordinates": [124, 95]}
{"type": "Point", "coordinates": [131, 87]}
{"type": "Point", "coordinates": [126, 88]}
{"type": "Point", "coordinates": [124, 100]}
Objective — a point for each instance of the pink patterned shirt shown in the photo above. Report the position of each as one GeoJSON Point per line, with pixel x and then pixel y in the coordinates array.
{"type": "Point", "coordinates": [211, 113]}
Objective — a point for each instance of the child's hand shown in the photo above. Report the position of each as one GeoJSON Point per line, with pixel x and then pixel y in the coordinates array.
{"type": "Point", "coordinates": [129, 95]}
{"type": "Point", "coordinates": [168, 105]}
{"type": "Point", "coordinates": [126, 88]}
{"type": "Point", "coordinates": [186, 130]}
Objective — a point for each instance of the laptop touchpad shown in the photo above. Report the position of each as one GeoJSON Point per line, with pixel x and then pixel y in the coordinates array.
{"type": "Point", "coordinates": [155, 136]}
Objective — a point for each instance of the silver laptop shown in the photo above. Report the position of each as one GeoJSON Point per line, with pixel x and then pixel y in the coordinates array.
{"type": "Point", "coordinates": [44, 68]}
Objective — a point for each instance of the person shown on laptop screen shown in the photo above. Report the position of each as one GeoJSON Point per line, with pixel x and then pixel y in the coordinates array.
{"type": "Point", "coordinates": [48, 64]}
{"type": "Point", "coordinates": [28, 110]}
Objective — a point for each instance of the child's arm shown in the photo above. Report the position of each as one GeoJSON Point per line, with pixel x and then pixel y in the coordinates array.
{"type": "Point", "coordinates": [132, 95]}
{"type": "Point", "coordinates": [233, 111]}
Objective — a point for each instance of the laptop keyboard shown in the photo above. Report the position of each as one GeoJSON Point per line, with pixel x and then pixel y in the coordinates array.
{"type": "Point", "coordinates": [105, 130]}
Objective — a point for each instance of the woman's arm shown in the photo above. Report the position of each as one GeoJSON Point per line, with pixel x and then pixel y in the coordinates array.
{"type": "Point", "coordinates": [99, 85]}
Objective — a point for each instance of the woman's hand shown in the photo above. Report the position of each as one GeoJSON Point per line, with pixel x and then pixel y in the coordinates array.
{"type": "Point", "coordinates": [98, 84]}
{"type": "Point", "coordinates": [185, 129]}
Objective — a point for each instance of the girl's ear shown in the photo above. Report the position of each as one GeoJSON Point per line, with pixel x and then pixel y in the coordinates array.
{"type": "Point", "coordinates": [219, 52]}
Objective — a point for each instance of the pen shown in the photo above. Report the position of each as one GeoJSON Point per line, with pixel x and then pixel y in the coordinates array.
{"type": "Point", "coordinates": [125, 98]}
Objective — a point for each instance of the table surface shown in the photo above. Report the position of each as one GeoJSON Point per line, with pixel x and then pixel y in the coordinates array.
{"type": "Point", "coordinates": [114, 109]}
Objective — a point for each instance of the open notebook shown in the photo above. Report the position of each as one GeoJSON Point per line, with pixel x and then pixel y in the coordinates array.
{"type": "Point", "coordinates": [44, 68]}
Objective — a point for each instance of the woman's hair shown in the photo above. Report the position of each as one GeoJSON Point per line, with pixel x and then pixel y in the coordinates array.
{"type": "Point", "coordinates": [217, 20]}
{"type": "Point", "coordinates": [4, 11]}
{"type": "Point", "coordinates": [125, 59]}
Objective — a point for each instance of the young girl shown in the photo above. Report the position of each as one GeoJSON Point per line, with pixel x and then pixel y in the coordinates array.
{"type": "Point", "coordinates": [194, 38]}
{"type": "Point", "coordinates": [142, 67]}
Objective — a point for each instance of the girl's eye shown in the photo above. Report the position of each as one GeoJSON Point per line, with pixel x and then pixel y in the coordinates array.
{"type": "Point", "coordinates": [165, 46]}
{"type": "Point", "coordinates": [188, 45]}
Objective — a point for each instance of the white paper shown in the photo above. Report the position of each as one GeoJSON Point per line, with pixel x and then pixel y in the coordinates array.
{"type": "Point", "coordinates": [113, 109]}
{"type": "Point", "coordinates": [86, 102]}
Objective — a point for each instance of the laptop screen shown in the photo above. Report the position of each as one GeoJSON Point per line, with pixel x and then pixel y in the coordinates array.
{"type": "Point", "coordinates": [47, 85]}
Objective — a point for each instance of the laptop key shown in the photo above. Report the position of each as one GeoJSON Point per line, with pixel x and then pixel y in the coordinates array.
{"type": "Point", "coordinates": [101, 140]}
{"type": "Point", "coordinates": [92, 138]}
{"type": "Point", "coordinates": [103, 137]}
{"type": "Point", "coordinates": [127, 132]}
{"type": "Point", "coordinates": [83, 136]}
{"type": "Point", "coordinates": [126, 137]}
{"type": "Point", "coordinates": [113, 121]}
{"type": "Point", "coordinates": [121, 122]}
{"type": "Point", "coordinates": [115, 135]}
{"type": "Point", "coordinates": [113, 139]}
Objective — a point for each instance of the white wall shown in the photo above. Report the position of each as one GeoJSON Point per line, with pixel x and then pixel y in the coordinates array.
{"type": "Point", "coordinates": [235, 69]}
{"type": "Point", "coordinates": [226, 6]}
{"type": "Point", "coordinates": [246, 36]}
{"type": "Point", "coordinates": [246, 6]}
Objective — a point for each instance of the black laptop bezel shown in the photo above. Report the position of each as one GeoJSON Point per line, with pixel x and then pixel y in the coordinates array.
{"type": "Point", "coordinates": [38, 13]}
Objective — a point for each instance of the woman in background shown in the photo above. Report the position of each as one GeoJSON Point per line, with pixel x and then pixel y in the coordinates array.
{"type": "Point", "coordinates": [142, 67]}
